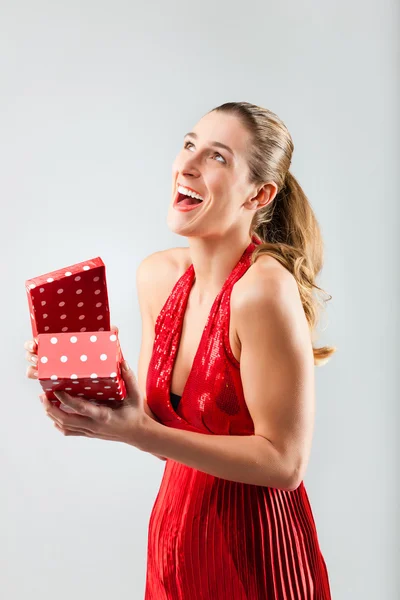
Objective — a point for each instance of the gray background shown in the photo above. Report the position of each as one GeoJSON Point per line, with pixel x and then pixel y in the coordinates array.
{"type": "Point", "coordinates": [95, 99]}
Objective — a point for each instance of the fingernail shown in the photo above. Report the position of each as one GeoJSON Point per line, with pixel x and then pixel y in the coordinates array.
{"type": "Point", "coordinates": [34, 359]}
{"type": "Point", "coordinates": [35, 373]}
{"type": "Point", "coordinates": [125, 365]}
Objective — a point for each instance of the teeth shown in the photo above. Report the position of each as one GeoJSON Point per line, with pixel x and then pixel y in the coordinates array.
{"type": "Point", "coordinates": [183, 190]}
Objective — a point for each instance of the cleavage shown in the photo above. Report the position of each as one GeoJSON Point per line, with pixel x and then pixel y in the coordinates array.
{"type": "Point", "coordinates": [194, 322]}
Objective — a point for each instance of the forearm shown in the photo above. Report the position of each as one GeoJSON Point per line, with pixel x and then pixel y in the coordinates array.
{"type": "Point", "coordinates": [150, 413]}
{"type": "Point", "coordinates": [242, 458]}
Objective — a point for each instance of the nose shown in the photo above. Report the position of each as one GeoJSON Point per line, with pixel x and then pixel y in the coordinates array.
{"type": "Point", "coordinates": [189, 163]}
{"type": "Point", "coordinates": [186, 167]}
{"type": "Point", "coordinates": [189, 167]}
{"type": "Point", "coordinates": [187, 174]}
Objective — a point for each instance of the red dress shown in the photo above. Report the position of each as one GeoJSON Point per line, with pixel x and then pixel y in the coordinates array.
{"type": "Point", "coordinates": [210, 538]}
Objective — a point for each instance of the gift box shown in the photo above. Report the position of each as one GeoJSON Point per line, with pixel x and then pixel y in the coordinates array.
{"type": "Point", "coordinates": [77, 350]}
{"type": "Point", "coordinates": [82, 364]}
{"type": "Point", "coordinates": [70, 299]}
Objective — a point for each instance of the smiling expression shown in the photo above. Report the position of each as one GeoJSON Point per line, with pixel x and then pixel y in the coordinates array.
{"type": "Point", "coordinates": [213, 162]}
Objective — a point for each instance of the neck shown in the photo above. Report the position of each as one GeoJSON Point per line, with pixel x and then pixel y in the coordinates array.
{"type": "Point", "coordinates": [213, 260]}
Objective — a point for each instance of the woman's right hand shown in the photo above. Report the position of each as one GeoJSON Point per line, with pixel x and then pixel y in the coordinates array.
{"type": "Point", "coordinates": [32, 357]}
{"type": "Point", "coordinates": [32, 372]}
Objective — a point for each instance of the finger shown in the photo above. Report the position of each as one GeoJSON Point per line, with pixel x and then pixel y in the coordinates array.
{"type": "Point", "coordinates": [32, 358]}
{"type": "Point", "coordinates": [66, 431]}
{"type": "Point", "coordinates": [30, 345]}
{"type": "Point", "coordinates": [101, 414]}
{"type": "Point", "coordinates": [77, 432]}
{"type": "Point", "coordinates": [53, 414]}
{"type": "Point", "coordinates": [115, 327]}
{"type": "Point", "coordinates": [66, 419]}
{"type": "Point", "coordinates": [32, 373]}
{"type": "Point", "coordinates": [131, 384]}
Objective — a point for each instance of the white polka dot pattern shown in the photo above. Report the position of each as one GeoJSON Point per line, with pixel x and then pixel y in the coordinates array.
{"type": "Point", "coordinates": [93, 367]}
{"type": "Point", "coordinates": [71, 289]}
{"type": "Point", "coordinates": [75, 300]}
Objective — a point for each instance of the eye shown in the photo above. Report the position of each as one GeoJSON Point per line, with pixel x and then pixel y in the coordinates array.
{"type": "Point", "coordinates": [215, 153]}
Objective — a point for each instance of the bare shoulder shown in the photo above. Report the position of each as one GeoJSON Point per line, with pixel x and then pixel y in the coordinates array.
{"type": "Point", "coordinates": [265, 281]}
{"type": "Point", "coordinates": [157, 274]}
{"type": "Point", "coordinates": [180, 256]}
{"type": "Point", "coordinates": [267, 296]}
{"type": "Point", "coordinates": [265, 270]}
{"type": "Point", "coordinates": [163, 261]}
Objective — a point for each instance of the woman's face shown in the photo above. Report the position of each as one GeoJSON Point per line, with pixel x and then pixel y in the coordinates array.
{"type": "Point", "coordinates": [219, 175]}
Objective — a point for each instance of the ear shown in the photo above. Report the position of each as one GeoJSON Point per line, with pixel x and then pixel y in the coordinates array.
{"type": "Point", "coordinates": [266, 193]}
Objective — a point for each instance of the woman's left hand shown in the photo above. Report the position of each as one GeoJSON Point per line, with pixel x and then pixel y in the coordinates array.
{"type": "Point", "coordinates": [125, 424]}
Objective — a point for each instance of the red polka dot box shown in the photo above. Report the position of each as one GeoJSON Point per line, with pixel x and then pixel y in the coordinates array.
{"type": "Point", "coordinates": [77, 350]}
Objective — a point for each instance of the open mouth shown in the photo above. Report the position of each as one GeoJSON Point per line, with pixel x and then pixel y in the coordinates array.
{"type": "Point", "coordinates": [184, 200]}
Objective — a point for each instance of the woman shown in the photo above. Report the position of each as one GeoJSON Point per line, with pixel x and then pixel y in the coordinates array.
{"type": "Point", "coordinates": [227, 364]}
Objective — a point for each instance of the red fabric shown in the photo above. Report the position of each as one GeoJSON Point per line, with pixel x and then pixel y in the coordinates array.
{"type": "Point", "coordinates": [210, 538]}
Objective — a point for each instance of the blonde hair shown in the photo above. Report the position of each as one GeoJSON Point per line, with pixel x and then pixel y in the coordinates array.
{"type": "Point", "coordinates": [287, 226]}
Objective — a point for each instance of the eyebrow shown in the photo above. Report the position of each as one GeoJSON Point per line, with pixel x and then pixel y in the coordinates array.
{"type": "Point", "coordinates": [219, 144]}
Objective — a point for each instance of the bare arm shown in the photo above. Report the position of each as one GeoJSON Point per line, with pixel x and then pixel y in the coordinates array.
{"type": "Point", "coordinates": [248, 459]}
{"type": "Point", "coordinates": [277, 371]}
{"type": "Point", "coordinates": [147, 278]}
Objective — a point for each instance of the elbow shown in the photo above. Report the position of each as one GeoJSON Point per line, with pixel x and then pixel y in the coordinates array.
{"type": "Point", "coordinates": [293, 484]}
{"type": "Point", "coordinates": [290, 471]}
{"type": "Point", "coordinates": [295, 477]}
